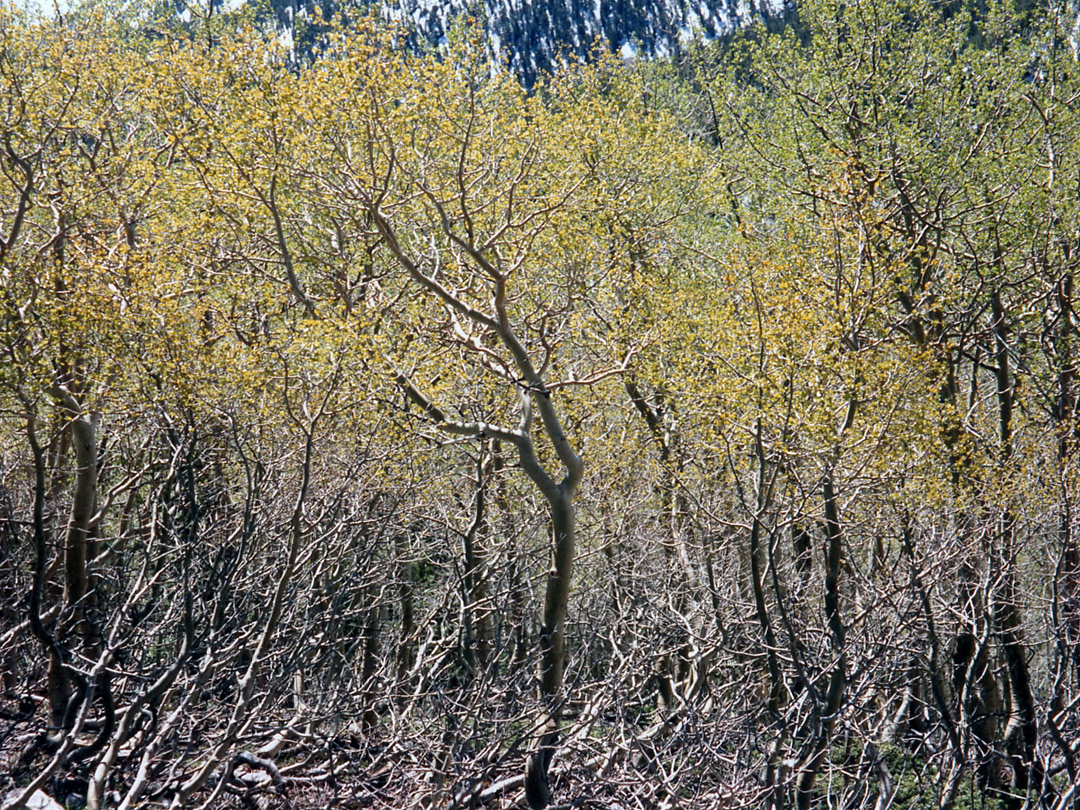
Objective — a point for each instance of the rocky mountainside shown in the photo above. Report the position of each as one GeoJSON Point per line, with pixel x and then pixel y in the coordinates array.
{"type": "Point", "coordinates": [532, 34]}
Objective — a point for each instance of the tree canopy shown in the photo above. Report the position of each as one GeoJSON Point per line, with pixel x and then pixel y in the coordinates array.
{"type": "Point", "coordinates": [377, 431]}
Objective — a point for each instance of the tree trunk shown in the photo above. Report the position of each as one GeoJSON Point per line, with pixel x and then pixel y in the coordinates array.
{"type": "Point", "coordinates": [84, 503]}
{"type": "Point", "coordinates": [1021, 731]}
{"type": "Point", "coordinates": [830, 708]}
{"type": "Point", "coordinates": [552, 649]}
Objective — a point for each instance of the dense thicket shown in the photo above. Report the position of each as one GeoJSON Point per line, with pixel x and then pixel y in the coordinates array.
{"type": "Point", "coordinates": [698, 434]}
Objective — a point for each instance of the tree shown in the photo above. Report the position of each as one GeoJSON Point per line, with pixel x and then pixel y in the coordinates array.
{"type": "Point", "coordinates": [857, 126]}
{"type": "Point", "coordinates": [497, 207]}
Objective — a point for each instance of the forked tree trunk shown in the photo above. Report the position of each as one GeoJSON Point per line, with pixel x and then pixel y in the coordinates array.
{"type": "Point", "coordinates": [533, 394]}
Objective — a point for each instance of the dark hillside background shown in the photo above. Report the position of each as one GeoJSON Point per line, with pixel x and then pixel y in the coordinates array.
{"type": "Point", "coordinates": [531, 36]}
